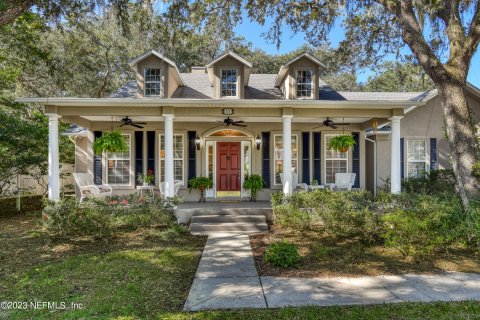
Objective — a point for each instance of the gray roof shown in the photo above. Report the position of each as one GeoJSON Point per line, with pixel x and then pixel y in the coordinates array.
{"type": "Point", "coordinates": [261, 86]}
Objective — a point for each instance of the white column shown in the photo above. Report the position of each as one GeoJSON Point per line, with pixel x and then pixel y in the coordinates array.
{"type": "Point", "coordinates": [287, 155]}
{"type": "Point", "coordinates": [169, 177]}
{"type": "Point", "coordinates": [53, 158]}
{"type": "Point", "coordinates": [395, 170]}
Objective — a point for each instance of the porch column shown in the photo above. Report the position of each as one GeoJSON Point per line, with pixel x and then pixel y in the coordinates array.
{"type": "Point", "coordinates": [53, 158]}
{"type": "Point", "coordinates": [287, 155]}
{"type": "Point", "coordinates": [395, 169]}
{"type": "Point", "coordinates": [169, 177]}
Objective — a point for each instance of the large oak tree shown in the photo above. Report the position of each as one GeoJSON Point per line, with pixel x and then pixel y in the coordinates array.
{"type": "Point", "coordinates": [442, 35]}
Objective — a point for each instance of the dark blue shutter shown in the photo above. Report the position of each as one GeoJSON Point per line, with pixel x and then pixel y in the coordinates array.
{"type": "Point", "coordinates": [433, 154]}
{"type": "Point", "coordinates": [192, 155]}
{"type": "Point", "coordinates": [266, 158]}
{"type": "Point", "coordinates": [402, 161]}
{"type": "Point", "coordinates": [97, 162]}
{"type": "Point", "coordinates": [356, 159]}
{"type": "Point", "coordinates": [138, 154]}
{"type": "Point", "coordinates": [306, 157]}
{"type": "Point", "coordinates": [317, 163]}
{"type": "Point", "coordinates": [151, 151]}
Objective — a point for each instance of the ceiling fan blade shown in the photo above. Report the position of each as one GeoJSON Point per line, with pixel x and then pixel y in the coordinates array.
{"type": "Point", "coordinates": [322, 125]}
{"type": "Point", "coordinates": [123, 124]}
{"type": "Point", "coordinates": [239, 125]}
{"type": "Point", "coordinates": [140, 123]}
{"type": "Point", "coordinates": [342, 124]}
{"type": "Point", "coordinates": [239, 121]}
{"type": "Point", "coordinates": [136, 125]}
{"type": "Point", "coordinates": [333, 126]}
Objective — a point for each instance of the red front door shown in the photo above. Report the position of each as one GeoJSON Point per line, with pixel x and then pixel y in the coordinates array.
{"type": "Point", "coordinates": [228, 166]}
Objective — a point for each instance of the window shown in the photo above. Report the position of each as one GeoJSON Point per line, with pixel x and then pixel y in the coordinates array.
{"type": "Point", "coordinates": [335, 162]}
{"type": "Point", "coordinates": [228, 82]}
{"type": "Point", "coordinates": [177, 157]}
{"type": "Point", "coordinates": [416, 158]}
{"type": "Point", "coordinates": [278, 156]}
{"type": "Point", "coordinates": [118, 166]}
{"type": "Point", "coordinates": [304, 83]}
{"type": "Point", "coordinates": [152, 79]}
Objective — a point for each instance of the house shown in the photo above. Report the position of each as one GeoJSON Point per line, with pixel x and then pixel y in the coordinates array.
{"type": "Point", "coordinates": [223, 121]}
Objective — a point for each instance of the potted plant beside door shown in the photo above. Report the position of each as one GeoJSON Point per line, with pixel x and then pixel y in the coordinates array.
{"type": "Point", "coordinates": [202, 184]}
{"type": "Point", "coordinates": [254, 183]}
{"type": "Point", "coordinates": [341, 143]}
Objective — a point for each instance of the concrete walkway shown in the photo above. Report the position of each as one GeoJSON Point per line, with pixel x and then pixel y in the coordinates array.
{"type": "Point", "coordinates": [227, 279]}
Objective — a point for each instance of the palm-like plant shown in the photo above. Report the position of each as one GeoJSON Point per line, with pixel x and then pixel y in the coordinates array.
{"type": "Point", "coordinates": [341, 143]}
{"type": "Point", "coordinates": [254, 183]}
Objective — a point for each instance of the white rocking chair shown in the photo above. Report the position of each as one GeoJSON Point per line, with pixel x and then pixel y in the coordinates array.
{"type": "Point", "coordinates": [344, 181]}
{"type": "Point", "coordinates": [177, 184]}
{"type": "Point", "coordinates": [88, 188]}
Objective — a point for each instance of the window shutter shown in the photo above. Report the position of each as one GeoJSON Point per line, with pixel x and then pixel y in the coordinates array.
{"type": "Point", "coordinates": [402, 161]}
{"type": "Point", "coordinates": [317, 163]}
{"type": "Point", "coordinates": [192, 155]}
{"type": "Point", "coordinates": [151, 136]}
{"type": "Point", "coordinates": [306, 157]}
{"type": "Point", "coordinates": [138, 154]}
{"type": "Point", "coordinates": [97, 162]}
{"type": "Point", "coordinates": [433, 154]}
{"type": "Point", "coordinates": [356, 159]}
{"type": "Point", "coordinates": [266, 158]}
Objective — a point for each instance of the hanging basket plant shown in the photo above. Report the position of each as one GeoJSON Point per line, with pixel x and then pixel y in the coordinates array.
{"type": "Point", "coordinates": [341, 143]}
{"type": "Point", "coordinates": [110, 142]}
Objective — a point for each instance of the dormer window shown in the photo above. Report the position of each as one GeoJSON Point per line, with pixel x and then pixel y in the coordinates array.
{"type": "Point", "coordinates": [152, 79]}
{"type": "Point", "coordinates": [228, 81]}
{"type": "Point", "coordinates": [304, 84]}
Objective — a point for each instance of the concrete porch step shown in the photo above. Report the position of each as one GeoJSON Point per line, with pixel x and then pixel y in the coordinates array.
{"type": "Point", "coordinates": [228, 224]}
{"type": "Point", "coordinates": [223, 218]}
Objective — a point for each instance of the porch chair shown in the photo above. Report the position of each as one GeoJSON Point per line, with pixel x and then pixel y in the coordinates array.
{"type": "Point", "coordinates": [177, 184]}
{"type": "Point", "coordinates": [302, 186]}
{"type": "Point", "coordinates": [344, 181]}
{"type": "Point", "coordinates": [88, 188]}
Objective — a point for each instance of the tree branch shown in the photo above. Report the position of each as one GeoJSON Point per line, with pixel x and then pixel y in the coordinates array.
{"type": "Point", "coordinates": [13, 9]}
{"type": "Point", "coordinates": [473, 40]}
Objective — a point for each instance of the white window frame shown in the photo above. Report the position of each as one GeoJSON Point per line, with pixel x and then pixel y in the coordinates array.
{"type": "Point", "coordinates": [108, 157]}
{"type": "Point", "coordinates": [237, 87]}
{"type": "Point", "coordinates": [325, 159]}
{"type": "Point", "coordinates": [162, 169]}
{"type": "Point", "coordinates": [297, 84]}
{"type": "Point", "coordinates": [145, 81]}
{"type": "Point", "coordinates": [426, 159]}
{"type": "Point", "coordinates": [275, 159]}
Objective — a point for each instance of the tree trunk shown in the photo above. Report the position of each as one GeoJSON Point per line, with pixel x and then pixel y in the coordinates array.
{"type": "Point", "coordinates": [460, 129]}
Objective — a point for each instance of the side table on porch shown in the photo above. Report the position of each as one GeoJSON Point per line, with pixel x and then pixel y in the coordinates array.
{"type": "Point", "coordinates": [312, 187]}
{"type": "Point", "coordinates": [141, 189]}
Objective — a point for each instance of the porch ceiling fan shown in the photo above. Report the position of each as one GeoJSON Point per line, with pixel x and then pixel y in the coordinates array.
{"type": "Point", "coordinates": [129, 122]}
{"type": "Point", "coordinates": [230, 122]}
{"type": "Point", "coordinates": [332, 124]}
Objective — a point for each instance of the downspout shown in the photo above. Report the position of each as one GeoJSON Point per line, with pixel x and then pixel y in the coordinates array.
{"type": "Point", "coordinates": [374, 164]}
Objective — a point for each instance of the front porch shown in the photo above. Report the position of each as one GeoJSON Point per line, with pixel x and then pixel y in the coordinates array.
{"type": "Point", "coordinates": [278, 140]}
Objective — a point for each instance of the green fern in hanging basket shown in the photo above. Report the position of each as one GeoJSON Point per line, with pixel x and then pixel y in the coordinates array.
{"type": "Point", "coordinates": [110, 142]}
{"type": "Point", "coordinates": [341, 143]}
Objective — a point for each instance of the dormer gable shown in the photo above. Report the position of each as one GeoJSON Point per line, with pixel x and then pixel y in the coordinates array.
{"type": "Point", "coordinates": [157, 76]}
{"type": "Point", "coordinates": [229, 74]}
{"type": "Point", "coordinates": [299, 77]}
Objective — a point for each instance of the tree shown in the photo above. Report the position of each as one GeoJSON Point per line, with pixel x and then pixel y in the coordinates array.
{"type": "Point", "coordinates": [395, 76]}
{"type": "Point", "coordinates": [442, 35]}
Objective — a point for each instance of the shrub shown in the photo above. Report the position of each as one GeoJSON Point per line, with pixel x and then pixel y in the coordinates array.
{"type": "Point", "coordinates": [425, 223]}
{"type": "Point", "coordinates": [437, 182]}
{"type": "Point", "coordinates": [102, 218]}
{"type": "Point", "coordinates": [282, 254]}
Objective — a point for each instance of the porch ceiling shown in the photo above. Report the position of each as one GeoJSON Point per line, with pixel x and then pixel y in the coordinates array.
{"type": "Point", "coordinates": [220, 118]}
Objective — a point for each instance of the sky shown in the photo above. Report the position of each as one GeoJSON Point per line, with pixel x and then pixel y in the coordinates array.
{"type": "Point", "coordinates": [252, 32]}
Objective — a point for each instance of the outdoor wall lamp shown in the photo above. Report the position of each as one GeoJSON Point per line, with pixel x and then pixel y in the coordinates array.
{"type": "Point", "coordinates": [258, 141]}
{"type": "Point", "coordinates": [198, 142]}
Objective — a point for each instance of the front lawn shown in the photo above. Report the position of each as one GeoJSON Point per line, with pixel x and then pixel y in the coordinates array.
{"type": "Point", "coordinates": [138, 274]}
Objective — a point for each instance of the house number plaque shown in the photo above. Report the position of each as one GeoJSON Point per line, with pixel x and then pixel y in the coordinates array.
{"type": "Point", "coordinates": [227, 111]}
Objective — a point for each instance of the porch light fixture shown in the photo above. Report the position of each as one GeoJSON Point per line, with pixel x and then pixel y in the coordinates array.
{"type": "Point", "coordinates": [198, 142]}
{"type": "Point", "coordinates": [258, 141]}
